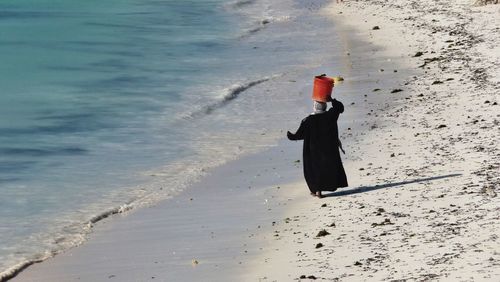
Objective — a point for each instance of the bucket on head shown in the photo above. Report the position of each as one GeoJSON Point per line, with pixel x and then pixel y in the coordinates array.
{"type": "Point", "coordinates": [322, 88]}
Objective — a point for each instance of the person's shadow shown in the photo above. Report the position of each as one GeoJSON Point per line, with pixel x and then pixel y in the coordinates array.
{"type": "Point", "coordinates": [363, 189]}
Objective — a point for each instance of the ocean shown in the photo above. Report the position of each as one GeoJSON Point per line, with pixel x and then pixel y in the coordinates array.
{"type": "Point", "coordinates": [107, 106]}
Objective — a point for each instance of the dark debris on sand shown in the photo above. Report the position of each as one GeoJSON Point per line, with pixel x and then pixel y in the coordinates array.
{"type": "Point", "coordinates": [386, 221]}
{"type": "Point", "coordinates": [322, 233]}
{"type": "Point", "coordinates": [312, 277]}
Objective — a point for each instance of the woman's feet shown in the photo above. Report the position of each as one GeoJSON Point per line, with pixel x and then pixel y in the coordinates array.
{"type": "Point", "coordinates": [317, 194]}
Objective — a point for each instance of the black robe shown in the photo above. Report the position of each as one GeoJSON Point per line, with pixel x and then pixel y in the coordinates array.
{"type": "Point", "coordinates": [323, 169]}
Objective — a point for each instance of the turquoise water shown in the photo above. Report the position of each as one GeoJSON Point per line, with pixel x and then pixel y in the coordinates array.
{"type": "Point", "coordinates": [108, 105]}
{"type": "Point", "coordinates": [80, 83]}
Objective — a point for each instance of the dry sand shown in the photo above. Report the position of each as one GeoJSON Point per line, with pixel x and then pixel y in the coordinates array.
{"type": "Point", "coordinates": [425, 172]}
{"type": "Point", "coordinates": [422, 161]}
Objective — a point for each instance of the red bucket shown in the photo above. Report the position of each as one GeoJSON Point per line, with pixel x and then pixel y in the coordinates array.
{"type": "Point", "coordinates": [322, 89]}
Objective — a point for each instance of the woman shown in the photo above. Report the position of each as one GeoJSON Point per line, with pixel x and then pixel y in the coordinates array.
{"type": "Point", "coordinates": [323, 169]}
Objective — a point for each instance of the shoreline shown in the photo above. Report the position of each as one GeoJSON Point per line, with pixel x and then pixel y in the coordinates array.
{"type": "Point", "coordinates": [395, 166]}
{"type": "Point", "coordinates": [48, 266]}
{"type": "Point", "coordinates": [348, 95]}
{"type": "Point", "coordinates": [213, 228]}
{"type": "Point", "coordinates": [161, 181]}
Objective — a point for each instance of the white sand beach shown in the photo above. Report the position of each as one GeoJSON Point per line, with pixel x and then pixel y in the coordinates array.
{"type": "Point", "coordinates": [424, 177]}
{"type": "Point", "coordinates": [422, 158]}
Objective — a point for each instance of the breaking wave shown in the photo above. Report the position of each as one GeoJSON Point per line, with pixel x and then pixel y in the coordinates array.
{"type": "Point", "coordinates": [262, 24]}
{"type": "Point", "coordinates": [240, 3]}
{"type": "Point", "coordinates": [228, 94]}
{"type": "Point", "coordinates": [84, 230]}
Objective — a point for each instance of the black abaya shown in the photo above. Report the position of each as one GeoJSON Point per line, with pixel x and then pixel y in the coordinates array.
{"type": "Point", "coordinates": [323, 169]}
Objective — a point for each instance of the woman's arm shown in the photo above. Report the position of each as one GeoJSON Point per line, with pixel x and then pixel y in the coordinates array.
{"type": "Point", "coordinates": [299, 135]}
{"type": "Point", "coordinates": [337, 106]}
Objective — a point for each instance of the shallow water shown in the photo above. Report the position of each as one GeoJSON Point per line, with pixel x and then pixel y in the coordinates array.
{"type": "Point", "coordinates": [109, 104]}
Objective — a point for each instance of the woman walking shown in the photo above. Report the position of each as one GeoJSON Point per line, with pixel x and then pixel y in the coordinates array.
{"type": "Point", "coordinates": [323, 169]}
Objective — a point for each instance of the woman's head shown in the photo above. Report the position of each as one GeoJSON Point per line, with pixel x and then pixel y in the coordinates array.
{"type": "Point", "coordinates": [319, 107]}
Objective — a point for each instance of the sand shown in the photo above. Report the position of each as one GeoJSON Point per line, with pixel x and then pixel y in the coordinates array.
{"type": "Point", "coordinates": [425, 172]}
{"type": "Point", "coordinates": [421, 134]}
